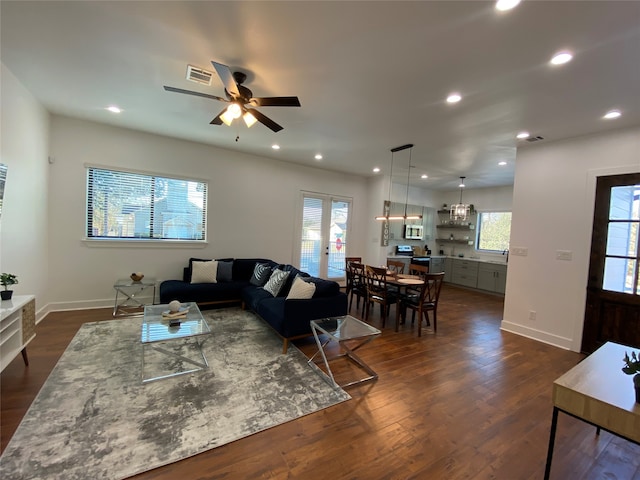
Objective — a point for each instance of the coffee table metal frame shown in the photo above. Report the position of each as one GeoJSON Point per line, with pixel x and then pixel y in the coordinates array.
{"type": "Point", "coordinates": [156, 331]}
{"type": "Point", "coordinates": [342, 330]}
{"type": "Point", "coordinates": [130, 305]}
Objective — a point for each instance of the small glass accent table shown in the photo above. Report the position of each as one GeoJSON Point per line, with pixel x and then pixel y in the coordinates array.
{"type": "Point", "coordinates": [342, 330]}
{"type": "Point", "coordinates": [158, 335]}
{"type": "Point", "coordinates": [127, 301]}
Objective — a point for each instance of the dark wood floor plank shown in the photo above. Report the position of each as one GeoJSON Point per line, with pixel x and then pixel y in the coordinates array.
{"type": "Point", "coordinates": [470, 402]}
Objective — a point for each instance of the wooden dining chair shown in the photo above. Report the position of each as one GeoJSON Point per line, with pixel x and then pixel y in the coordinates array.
{"type": "Point", "coordinates": [395, 266]}
{"type": "Point", "coordinates": [356, 272]}
{"type": "Point", "coordinates": [378, 292]}
{"type": "Point", "coordinates": [419, 270]}
{"type": "Point", "coordinates": [424, 303]}
{"type": "Point", "coordinates": [349, 283]}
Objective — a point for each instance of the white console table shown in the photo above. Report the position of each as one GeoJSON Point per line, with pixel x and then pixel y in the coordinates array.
{"type": "Point", "coordinates": [17, 327]}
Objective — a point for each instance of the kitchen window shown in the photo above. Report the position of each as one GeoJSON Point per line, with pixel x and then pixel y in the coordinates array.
{"type": "Point", "coordinates": [494, 230]}
{"type": "Point", "coordinates": [125, 205]}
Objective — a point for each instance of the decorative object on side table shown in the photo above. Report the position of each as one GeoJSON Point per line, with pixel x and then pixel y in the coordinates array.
{"type": "Point", "coordinates": [6, 280]}
{"type": "Point", "coordinates": [632, 367]}
{"type": "Point", "coordinates": [175, 313]}
{"type": "Point", "coordinates": [137, 276]}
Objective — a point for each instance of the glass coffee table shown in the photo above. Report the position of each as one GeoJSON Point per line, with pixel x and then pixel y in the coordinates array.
{"type": "Point", "coordinates": [171, 341]}
{"type": "Point", "coordinates": [350, 334]}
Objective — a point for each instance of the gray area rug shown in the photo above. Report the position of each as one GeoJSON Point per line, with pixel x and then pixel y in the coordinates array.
{"type": "Point", "coordinates": [94, 419]}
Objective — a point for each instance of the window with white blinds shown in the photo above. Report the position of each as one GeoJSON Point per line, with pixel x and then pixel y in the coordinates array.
{"type": "Point", "coordinates": [126, 205]}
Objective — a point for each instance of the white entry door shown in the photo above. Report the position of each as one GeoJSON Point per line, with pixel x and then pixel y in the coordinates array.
{"type": "Point", "coordinates": [324, 235]}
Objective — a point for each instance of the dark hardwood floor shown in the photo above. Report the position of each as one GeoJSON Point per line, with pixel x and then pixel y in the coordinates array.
{"type": "Point", "coordinates": [471, 402]}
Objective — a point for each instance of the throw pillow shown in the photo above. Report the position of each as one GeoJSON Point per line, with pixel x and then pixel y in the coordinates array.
{"type": "Point", "coordinates": [301, 289]}
{"type": "Point", "coordinates": [276, 282]}
{"type": "Point", "coordinates": [204, 272]}
{"type": "Point", "coordinates": [225, 270]}
{"type": "Point", "coordinates": [261, 274]}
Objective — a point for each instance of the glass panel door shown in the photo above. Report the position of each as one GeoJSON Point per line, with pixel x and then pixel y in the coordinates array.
{"type": "Point", "coordinates": [324, 234]}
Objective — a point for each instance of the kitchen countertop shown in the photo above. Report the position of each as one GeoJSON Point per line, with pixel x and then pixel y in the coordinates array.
{"type": "Point", "coordinates": [479, 260]}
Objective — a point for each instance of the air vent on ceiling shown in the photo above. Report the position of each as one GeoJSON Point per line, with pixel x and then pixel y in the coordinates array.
{"type": "Point", "coordinates": [534, 139]}
{"type": "Point", "coordinates": [199, 75]}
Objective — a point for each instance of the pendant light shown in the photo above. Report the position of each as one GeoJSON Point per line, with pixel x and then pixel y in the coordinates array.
{"type": "Point", "coordinates": [460, 211]}
{"type": "Point", "coordinates": [405, 216]}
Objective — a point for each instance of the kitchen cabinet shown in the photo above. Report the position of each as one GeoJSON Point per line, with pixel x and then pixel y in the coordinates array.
{"type": "Point", "coordinates": [448, 269]}
{"type": "Point", "coordinates": [17, 327]}
{"type": "Point", "coordinates": [492, 277]}
{"type": "Point", "coordinates": [465, 272]}
{"type": "Point", "coordinates": [436, 265]}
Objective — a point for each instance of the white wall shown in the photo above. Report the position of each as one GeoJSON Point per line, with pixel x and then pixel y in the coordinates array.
{"type": "Point", "coordinates": [24, 222]}
{"type": "Point", "coordinates": [553, 202]}
{"type": "Point", "coordinates": [252, 211]}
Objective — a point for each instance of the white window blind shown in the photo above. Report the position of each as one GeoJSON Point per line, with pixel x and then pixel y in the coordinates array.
{"type": "Point", "coordinates": [125, 205]}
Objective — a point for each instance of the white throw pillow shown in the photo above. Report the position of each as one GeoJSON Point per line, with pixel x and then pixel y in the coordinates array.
{"type": "Point", "coordinates": [301, 289]}
{"type": "Point", "coordinates": [204, 272]}
{"type": "Point", "coordinates": [276, 282]}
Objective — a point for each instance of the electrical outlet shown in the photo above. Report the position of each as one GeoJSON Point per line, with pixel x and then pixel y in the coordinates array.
{"type": "Point", "coordinates": [532, 315]}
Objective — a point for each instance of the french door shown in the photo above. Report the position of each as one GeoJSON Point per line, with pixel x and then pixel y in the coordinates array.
{"type": "Point", "coordinates": [612, 311]}
{"type": "Point", "coordinates": [324, 235]}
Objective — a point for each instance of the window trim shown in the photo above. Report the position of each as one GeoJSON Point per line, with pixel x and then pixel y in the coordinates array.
{"type": "Point", "coordinates": [137, 241]}
{"type": "Point", "coordinates": [479, 229]}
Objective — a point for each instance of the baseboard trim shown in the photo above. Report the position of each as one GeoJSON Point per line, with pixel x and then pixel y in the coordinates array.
{"type": "Point", "coordinates": [539, 335]}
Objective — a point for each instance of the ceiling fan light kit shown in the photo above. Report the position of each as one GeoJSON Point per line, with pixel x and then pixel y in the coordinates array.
{"type": "Point", "coordinates": [239, 97]}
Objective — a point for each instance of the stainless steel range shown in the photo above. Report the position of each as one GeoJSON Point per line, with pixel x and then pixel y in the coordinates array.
{"type": "Point", "coordinates": [407, 251]}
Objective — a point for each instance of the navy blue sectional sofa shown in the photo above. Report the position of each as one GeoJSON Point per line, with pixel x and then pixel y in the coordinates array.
{"type": "Point", "coordinates": [289, 318]}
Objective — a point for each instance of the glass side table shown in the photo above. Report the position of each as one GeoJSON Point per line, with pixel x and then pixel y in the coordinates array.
{"type": "Point", "coordinates": [350, 334]}
{"type": "Point", "coordinates": [131, 297]}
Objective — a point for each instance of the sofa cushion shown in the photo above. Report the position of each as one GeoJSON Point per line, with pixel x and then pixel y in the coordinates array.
{"type": "Point", "coordinates": [261, 274]}
{"type": "Point", "coordinates": [293, 273]}
{"type": "Point", "coordinates": [243, 267]}
{"type": "Point", "coordinates": [252, 296]}
{"type": "Point", "coordinates": [324, 288]}
{"type": "Point", "coordinates": [301, 289]}
{"type": "Point", "coordinates": [276, 282]}
{"type": "Point", "coordinates": [201, 292]}
{"type": "Point", "coordinates": [225, 271]}
{"type": "Point", "coordinates": [204, 272]}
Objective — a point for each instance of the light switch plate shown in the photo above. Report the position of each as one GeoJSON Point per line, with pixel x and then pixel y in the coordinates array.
{"type": "Point", "coordinates": [564, 255]}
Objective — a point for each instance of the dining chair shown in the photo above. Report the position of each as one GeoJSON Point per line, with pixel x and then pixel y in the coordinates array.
{"type": "Point", "coordinates": [347, 261]}
{"type": "Point", "coordinates": [356, 274]}
{"type": "Point", "coordinates": [419, 270]}
{"type": "Point", "coordinates": [395, 266]}
{"type": "Point", "coordinates": [424, 303]}
{"type": "Point", "coordinates": [378, 292]}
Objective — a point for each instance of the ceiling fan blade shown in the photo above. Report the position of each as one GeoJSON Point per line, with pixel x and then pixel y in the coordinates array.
{"type": "Point", "coordinates": [266, 121]}
{"type": "Point", "coordinates": [197, 94]}
{"type": "Point", "coordinates": [217, 120]}
{"type": "Point", "coordinates": [276, 102]}
{"type": "Point", "coordinates": [226, 76]}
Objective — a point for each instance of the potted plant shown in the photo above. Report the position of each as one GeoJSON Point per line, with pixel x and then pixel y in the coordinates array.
{"type": "Point", "coordinates": [632, 367]}
{"type": "Point", "coordinates": [7, 279]}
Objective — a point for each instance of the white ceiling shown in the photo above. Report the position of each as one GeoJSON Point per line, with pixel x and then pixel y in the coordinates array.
{"type": "Point", "coordinates": [370, 75]}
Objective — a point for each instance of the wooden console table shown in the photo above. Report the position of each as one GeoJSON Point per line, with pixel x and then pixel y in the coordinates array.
{"type": "Point", "coordinates": [598, 392]}
{"type": "Point", "coordinates": [17, 327]}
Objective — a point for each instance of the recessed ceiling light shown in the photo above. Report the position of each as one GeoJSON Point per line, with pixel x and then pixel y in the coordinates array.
{"type": "Point", "coordinates": [275, 146]}
{"type": "Point", "coordinates": [424, 176]}
{"type": "Point", "coordinates": [113, 109]}
{"type": "Point", "coordinates": [523, 135]}
{"type": "Point", "coordinates": [318, 156]}
{"type": "Point", "coordinates": [376, 170]}
{"type": "Point", "coordinates": [612, 114]}
{"type": "Point", "coordinates": [502, 163]}
{"type": "Point", "coordinates": [561, 57]}
{"type": "Point", "coordinates": [454, 98]}
{"type": "Point", "coordinates": [503, 5]}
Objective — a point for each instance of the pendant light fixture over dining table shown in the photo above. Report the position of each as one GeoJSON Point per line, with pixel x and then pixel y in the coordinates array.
{"type": "Point", "coordinates": [405, 217]}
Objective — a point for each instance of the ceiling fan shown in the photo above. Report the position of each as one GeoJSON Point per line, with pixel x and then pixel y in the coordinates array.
{"type": "Point", "coordinates": [241, 100]}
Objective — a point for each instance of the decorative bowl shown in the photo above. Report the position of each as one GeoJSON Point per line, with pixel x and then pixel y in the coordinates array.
{"type": "Point", "coordinates": [136, 277]}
